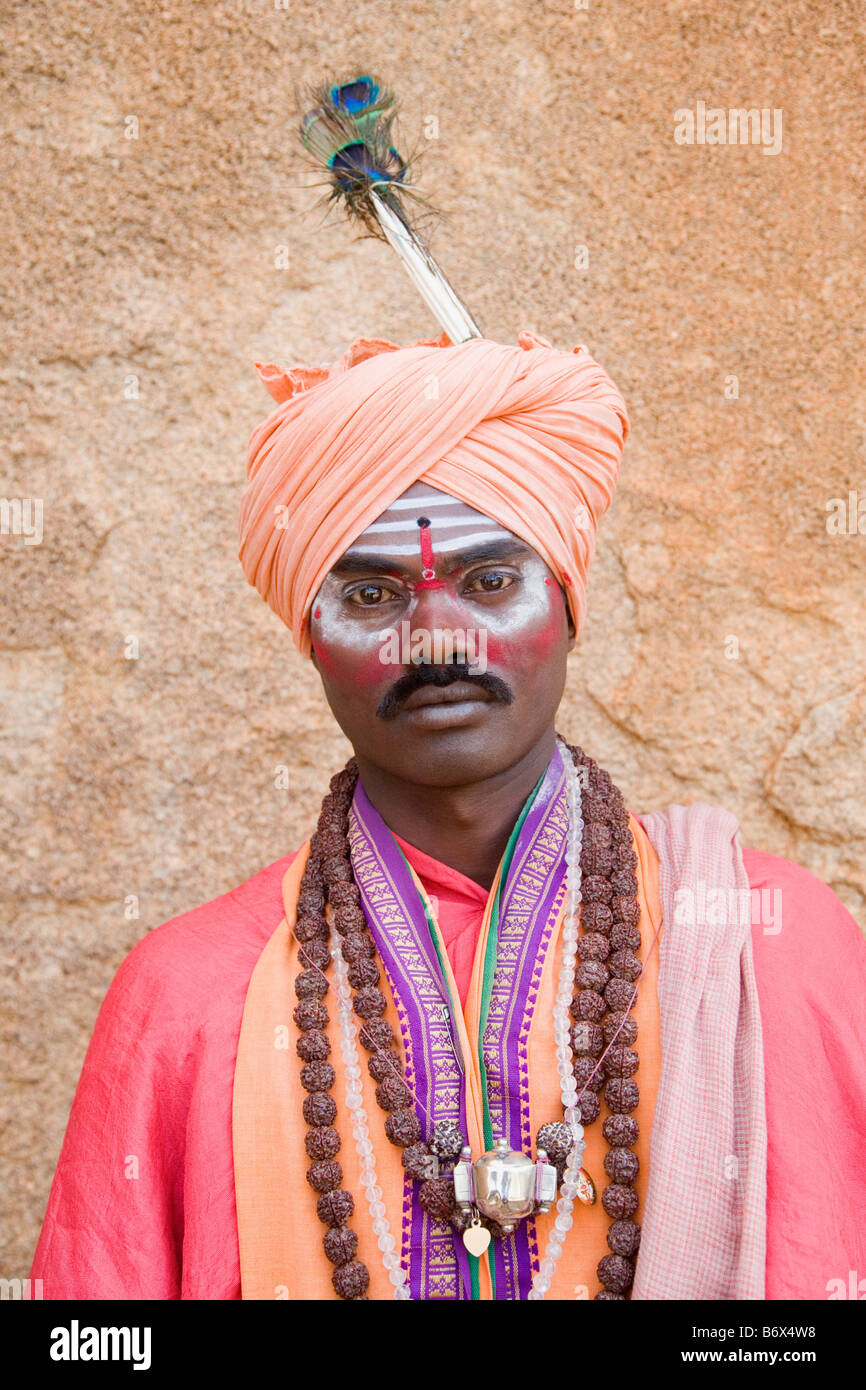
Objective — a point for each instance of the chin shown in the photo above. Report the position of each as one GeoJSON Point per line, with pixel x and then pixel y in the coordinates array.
{"type": "Point", "coordinates": [453, 753]}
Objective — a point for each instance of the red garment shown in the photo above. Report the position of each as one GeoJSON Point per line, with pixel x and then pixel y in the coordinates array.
{"type": "Point", "coordinates": [143, 1206]}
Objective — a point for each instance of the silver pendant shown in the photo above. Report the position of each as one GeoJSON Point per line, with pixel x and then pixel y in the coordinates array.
{"type": "Point", "coordinates": [505, 1186]}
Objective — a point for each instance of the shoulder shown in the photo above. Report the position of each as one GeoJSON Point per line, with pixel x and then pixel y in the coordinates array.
{"type": "Point", "coordinates": [798, 920]}
{"type": "Point", "coordinates": [204, 956]}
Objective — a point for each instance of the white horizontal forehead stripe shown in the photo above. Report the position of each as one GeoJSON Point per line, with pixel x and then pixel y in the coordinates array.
{"type": "Point", "coordinates": [413, 549]}
{"type": "Point", "coordinates": [376, 528]}
{"type": "Point", "coordinates": [403, 504]}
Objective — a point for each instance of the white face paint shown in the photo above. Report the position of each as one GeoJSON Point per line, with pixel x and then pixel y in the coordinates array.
{"type": "Point", "coordinates": [433, 580]}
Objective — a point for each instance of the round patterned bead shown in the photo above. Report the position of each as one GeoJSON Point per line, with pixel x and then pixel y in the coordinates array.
{"type": "Point", "coordinates": [403, 1128]}
{"type": "Point", "coordinates": [596, 917]}
{"type": "Point", "coordinates": [587, 1039]}
{"type": "Point", "coordinates": [311, 902]}
{"type": "Point", "coordinates": [336, 870]}
{"type": "Point", "coordinates": [620, 1026]}
{"type": "Point", "coordinates": [596, 860]}
{"type": "Point", "coordinates": [605, 1296]}
{"type": "Point", "coordinates": [616, 1273]}
{"type": "Point", "coordinates": [619, 995]}
{"type": "Point", "coordinates": [621, 1061]}
{"type": "Point", "coordinates": [555, 1139]}
{"type": "Point", "coordinates": [460, 1220]}
{"type": "Point", "coordinates": [325, 1176]}
{"type": "Point", "coordinates": [329, 814]}
{"type": "Point", "coordinates": [340, 1245]}
{"type": "Point", "coordinates": [597, 835]}
{"type": "Point", "coordinates": [589, 1106]}
{"type": "Point", "coordinates": [313, 1046]}
{"type": "Point", "coordinates": [447, 1141]}
{"type": "Point", "coordinates": [594, 807]}
{"type": "Point", "coordinates": [436, 1196]}
{"type": "Point", "coordinates": [322, 1143]}
{"type": "Point", "coordinates": [335, 1208]}
{"type": "Point", "coordinates": [310, 1013]}
{"type": "Point", "coordinates": [418, 1162]}
{"type": "Point", "coordinates": [311, 984]}
{"type": "Point", "coordinates": [623, 882]}
{"type": "Point", "coordinates": [623, 1237]}
{"type": "Point", "coordinates": [363, 972]}
{"type": "Point", "coordinates": [588, 1005]}
{"type": "Point", "coordinates": [621, 1165]}
{"type": "Point", "coordinates": [348, 919]}
{"type": "Point", "coordinates": [625, 965]}
{"type": "Point", "coordinates": [318, 1076]}
{"type": "Point", "coordinates": [596, 889]}
{"type": "Point", "coordinates": [315, 953]}
{"type": "Point", "coordinates": [620, 1202]}
{"type": "Point", "coordinates": [593, 946]}
{"type": "Point", "coordinates": [345, 895]}
{"type": "Point", "coordinates": [351, 1280]}
{"type": "Point", "coordinates": [393, 1094]}
{"type": "Point", "coordinates": [626, 910]}
{"type": "Point", "coordinates": [588, 1074]}
{"type": "Point", "coordinates": [369, 1002]}
{"type": "Point", "coordinates": [357, 945]}
{"type": "Point", "coordinates": [377, 1035]}
{"type": "Point", "coordinates": [320, 1108]}
{"type": "Point", "coordinates": [620, 1130]}
{"type": "Point", "coordinates": [623, 937]}
{"type": "Point", "coordinates": [330, 842]}
{"type": "Point", "coordinates": [591, 974]}
{"type": "Point", "coordinates": [621, 1095]}
{"type": "Point", "coordinates": [312, 929]}
{"type": "Point", "coordinates": [383, 1064]}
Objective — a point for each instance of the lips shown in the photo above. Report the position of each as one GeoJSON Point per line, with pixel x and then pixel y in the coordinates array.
{"type": "Point", "coordinates": [451, 694]}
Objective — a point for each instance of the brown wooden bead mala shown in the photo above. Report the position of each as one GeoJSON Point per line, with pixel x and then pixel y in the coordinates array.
{"type": "Point", "coordinates": [602, 1035]}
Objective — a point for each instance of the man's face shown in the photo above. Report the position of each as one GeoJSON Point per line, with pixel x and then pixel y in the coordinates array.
{"type": "Point", "coordinates": [441, 640]}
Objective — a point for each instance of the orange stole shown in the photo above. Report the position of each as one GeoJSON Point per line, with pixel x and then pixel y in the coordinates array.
{"type": "Point", "coordinates": [279, 1232]}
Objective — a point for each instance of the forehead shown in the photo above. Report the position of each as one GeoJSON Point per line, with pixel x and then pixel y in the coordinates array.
{"type": "Point", "coordinates": [453, 525]}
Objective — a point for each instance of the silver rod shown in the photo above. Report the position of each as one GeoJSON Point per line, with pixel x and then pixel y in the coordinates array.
{"type": "Point", "coordinates": [425, 274]}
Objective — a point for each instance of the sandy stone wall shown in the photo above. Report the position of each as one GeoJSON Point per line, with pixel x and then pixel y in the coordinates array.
{"type": "Point", "coordinates": [161, 237]}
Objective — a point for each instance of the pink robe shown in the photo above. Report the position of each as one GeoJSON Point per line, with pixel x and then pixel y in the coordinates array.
{"type": "Point", "coordinates": [143, 1201]}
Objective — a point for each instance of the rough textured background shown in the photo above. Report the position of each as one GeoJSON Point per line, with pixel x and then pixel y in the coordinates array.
{"type": "Point", "coordinates": [156, 259]}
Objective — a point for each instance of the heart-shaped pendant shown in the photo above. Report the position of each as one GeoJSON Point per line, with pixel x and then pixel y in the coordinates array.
{"type": "Point", "coordinates": [476, 1238]}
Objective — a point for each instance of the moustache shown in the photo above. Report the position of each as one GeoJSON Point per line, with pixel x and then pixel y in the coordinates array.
{"type": "Point", "coordinates": [389, 705]}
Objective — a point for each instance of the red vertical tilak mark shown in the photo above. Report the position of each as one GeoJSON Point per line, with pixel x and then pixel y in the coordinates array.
{"type": "Point", "coordinates": [426, 548]}
{"type": "Point", "coordinates": [428, 578]}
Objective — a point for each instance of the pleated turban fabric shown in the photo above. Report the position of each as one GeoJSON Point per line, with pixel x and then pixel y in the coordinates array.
{"type": "Point", "coordinates": [531, 436]}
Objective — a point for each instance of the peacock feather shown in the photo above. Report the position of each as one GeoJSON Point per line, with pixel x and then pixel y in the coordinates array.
{"type": "Point", "coordinates": [349, 134]}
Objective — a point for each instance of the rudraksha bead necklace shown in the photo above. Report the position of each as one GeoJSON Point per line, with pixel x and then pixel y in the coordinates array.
{"type": "Point", "coordinates": [599, 1048]}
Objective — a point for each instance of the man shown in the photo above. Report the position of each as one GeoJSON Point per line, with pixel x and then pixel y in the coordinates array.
{"type": "Point", "coordinates": [298, 1090]}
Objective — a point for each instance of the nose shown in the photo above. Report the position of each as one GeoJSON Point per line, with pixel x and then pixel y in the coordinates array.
{"type": "Point", "coordinates": [440, 610]}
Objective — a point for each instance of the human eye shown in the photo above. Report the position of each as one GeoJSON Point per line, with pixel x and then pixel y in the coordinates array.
{"type": "Point", "coordinates": [491, 581]}
{"type": "Point", "coordinates": [369, 595]}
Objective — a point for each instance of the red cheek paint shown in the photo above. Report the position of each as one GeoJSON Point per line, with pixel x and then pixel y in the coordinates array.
{"type": "Point", "coordinates": [318, 613]}
{"type": "Point", "coordinates": [547, 581]}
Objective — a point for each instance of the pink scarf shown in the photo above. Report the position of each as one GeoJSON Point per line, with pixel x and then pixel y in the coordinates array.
{"type": "Point", "coordinates": [705, 1219]}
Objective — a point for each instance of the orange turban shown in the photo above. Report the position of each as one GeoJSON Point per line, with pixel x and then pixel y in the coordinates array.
{"type": "Point", "coordinates": [529, 435]}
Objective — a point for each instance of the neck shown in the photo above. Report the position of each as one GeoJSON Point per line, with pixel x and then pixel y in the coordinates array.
{"type": "Point", "coordinates": [466, 827]}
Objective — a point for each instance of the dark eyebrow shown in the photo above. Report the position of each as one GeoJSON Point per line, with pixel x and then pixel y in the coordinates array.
{"type": "Point", "coordinates": [353, 563]}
